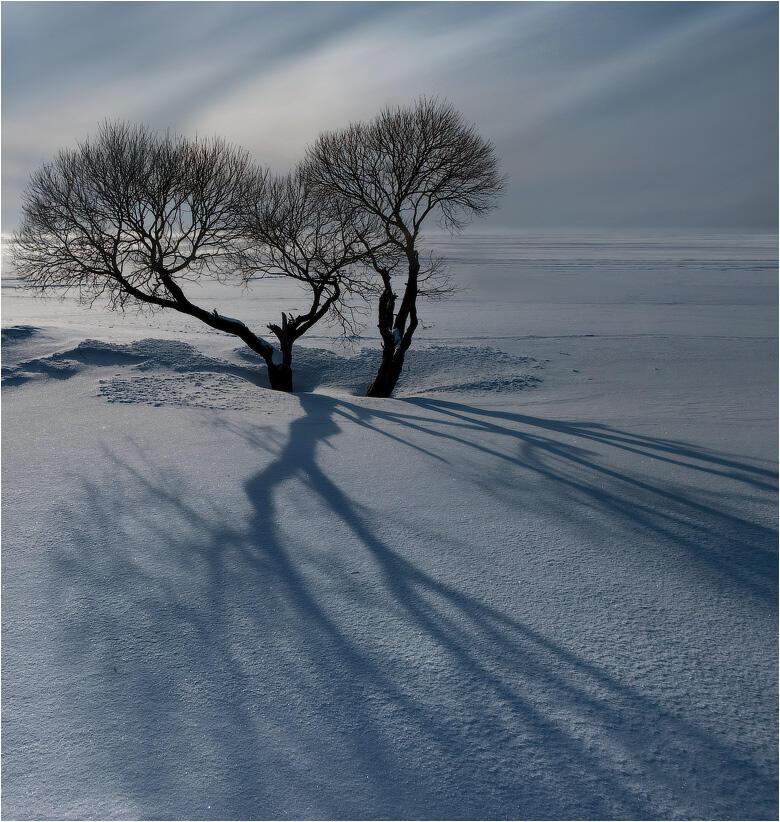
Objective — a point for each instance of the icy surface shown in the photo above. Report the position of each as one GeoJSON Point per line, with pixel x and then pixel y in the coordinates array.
{"type": "Point", "coordinates": [539, 583]}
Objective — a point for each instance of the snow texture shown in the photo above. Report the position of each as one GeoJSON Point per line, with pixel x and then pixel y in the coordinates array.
{"type": "Point", "coordinates": [429, 369]}
{"type": "Point", "coordinates": [541, 583]}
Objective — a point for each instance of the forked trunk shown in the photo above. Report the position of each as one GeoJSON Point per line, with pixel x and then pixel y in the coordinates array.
{"type": "Point", "coordinates": [397, 331]}
{"type": "Point", "coordinates": [280, 374]}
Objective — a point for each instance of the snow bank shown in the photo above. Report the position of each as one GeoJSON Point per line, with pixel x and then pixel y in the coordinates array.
{"type": "Point", "coordinates": [428, 369]}
{"type": "Point", "coordinates": [17, 333]}
{"type": "Point", "coordinates": [212, 382]}
{"type": "Point", "coordinates": [142, 355]}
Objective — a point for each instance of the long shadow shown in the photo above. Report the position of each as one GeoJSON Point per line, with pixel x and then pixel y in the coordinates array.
{"type": "Point", "coordinates": [662, 449]}
{"type": "Point", "coordinates": [577, 460]}
{"type": "Point", "coordinates": [476, 636]}
{"type": "Point", "coordinates": [436, 610]}
{"type": "Point", "coordinates": [296, 679]}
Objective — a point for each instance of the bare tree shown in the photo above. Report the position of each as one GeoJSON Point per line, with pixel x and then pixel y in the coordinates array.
{"type": "Point", "coordinates": [399, 168]}
{"type": "Point", "coordinates": [318, 242]}
{"type": "Point", "coordinates": [132, 217]}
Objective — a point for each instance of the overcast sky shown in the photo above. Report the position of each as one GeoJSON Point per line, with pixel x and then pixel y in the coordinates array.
{"type": "Point", "coordinates": [604, 115]}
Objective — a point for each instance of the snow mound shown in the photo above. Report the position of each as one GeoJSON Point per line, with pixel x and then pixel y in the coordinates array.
{"type": "Point", "coordinates": [39, 369]}
{"type": "Point", "coordinates": [466, 370]}
{"type": "Point", "coordinates": [17, 333]}
{"type": "Point", "coordinates": [501, 385]}
{"type": "Point", "coordinates": [144, 355]}
{"type": "Point", "coordinates": [147, 355]}
{"type": "Point", "coordinates": [431, 369]}
{"type": "Point", "coordinates": [222, 392]}
{"type": "Point", "coordinates": [66, 364]}
{"type": "Point", "coordinates": [203, 381]}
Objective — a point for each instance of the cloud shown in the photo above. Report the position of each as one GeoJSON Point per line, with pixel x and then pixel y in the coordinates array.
{"type": "Point", "coordinates": [655, 114]}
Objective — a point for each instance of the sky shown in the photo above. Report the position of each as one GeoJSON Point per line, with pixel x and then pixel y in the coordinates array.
{"type": "Point", "coordinates": [604, 115]}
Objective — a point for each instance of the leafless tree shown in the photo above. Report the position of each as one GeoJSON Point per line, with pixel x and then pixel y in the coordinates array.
{"type": "Point", "coordinates": [406, 164]}
{"type": "Point", "coordinates": [320, 243]}
{"type": "Point", "coordinates": [132, 217]}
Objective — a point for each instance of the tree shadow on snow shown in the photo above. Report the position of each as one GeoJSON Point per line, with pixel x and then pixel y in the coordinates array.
{"type": "Point", "coordinates": [266, 675]}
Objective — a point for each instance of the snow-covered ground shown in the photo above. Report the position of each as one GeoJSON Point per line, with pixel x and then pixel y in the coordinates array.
{"type": "Point", "coordinates": [540, 583]}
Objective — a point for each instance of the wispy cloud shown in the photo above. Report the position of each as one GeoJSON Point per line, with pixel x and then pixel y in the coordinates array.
{"type": "Point", "coordinates": [607, 114]}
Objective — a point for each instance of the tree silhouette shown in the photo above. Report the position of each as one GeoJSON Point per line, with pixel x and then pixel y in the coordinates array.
{"type": "Point", "coordinates": [294, 233]}
{"type": "Point", "coordinates": [132, 217]}
{"type": "Point", "coordinates": [401, 167]}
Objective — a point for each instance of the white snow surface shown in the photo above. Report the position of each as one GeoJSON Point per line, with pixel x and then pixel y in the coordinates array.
{"type": "Point", "coordinates": [540, 583]}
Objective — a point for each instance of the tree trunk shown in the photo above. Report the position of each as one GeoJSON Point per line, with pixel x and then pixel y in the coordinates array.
{"type": "Point", "coordinates": [396, 331]}
{"type": "Point", "coordinates": [280, 374]}
{"type": "Point", "coordinates": [280, 377]}
{"type": "Point", "coordinates": [387, 376]}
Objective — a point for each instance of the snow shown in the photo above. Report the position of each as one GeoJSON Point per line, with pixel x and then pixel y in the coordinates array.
{"type": "Point", "coordinates": [229, 319]}
{"type": "Point", "coordinates": [541, 582]}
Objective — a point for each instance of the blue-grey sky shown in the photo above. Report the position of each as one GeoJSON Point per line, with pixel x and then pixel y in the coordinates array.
{"type": "Point", "coordinates": [604, 114]}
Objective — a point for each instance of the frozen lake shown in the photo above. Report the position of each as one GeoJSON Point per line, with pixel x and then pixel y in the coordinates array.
{"type": "Point", "coordinates": [541, 582]}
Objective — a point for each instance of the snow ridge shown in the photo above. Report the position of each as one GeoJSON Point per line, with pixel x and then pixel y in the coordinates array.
{"type": "Point", "coordinates": [176, 373]}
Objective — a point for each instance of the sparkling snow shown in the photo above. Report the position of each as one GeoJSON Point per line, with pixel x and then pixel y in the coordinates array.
{"type": "Point", "coordinates": [541, 582]}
